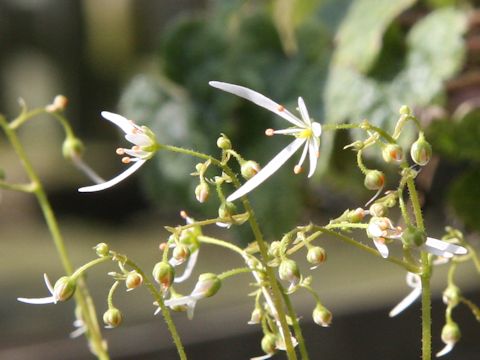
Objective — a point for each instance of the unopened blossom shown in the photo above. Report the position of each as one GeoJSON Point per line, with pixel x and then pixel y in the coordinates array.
{"type": "Point", "coordinates": [61, 291]}
{"type": "Point", "coordinates": [144, 147]}
{"type": "Point", "coordinates": [450, 336]}
{"type": "Point", "coordinates": [305, 131]}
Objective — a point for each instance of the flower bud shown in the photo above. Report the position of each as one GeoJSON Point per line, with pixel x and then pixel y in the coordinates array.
{"type": "Point", "coordinates": [112, 317]}
{"type": "Point", "coordinates": [181, 253]}
{"type": "Point", "coordinates": [133, 280]}
{"type": "Point", "coordinates": [207, 285]}
{"type": "Point", "coordinates": [269, 343]}
{"type": "Point", "coordinates": [102, 249]}
{"type": "Point", "coordinates": [226, 210]}
{"type": "Point", "coordinates": [72, 148]}
{"type": "Point", "coordinates": [392, 153]}
{"type": "Point", "coordinates": [322, 316]}
{"type": "Point", "coordinates": [288, 271]}
{"type": "Point", "coordinates": [202, 191]}
{"type": "Point", "coordinates": [316, 255]}
{"type": "Point", "coordinates": [355, 216]}
{"type": "Point", "coordinates": [275, 249]}
{"type": "Point", "coordinates": [413, 236]}
{"type": "Point", "coordinates": [405, 110]}
{"type": "Point", "coordinates": [224, 143]}
{"type": "Point", "coordinates": [256, 316]}
{"type": "Point", "coordinates": [163, 273]}
{"type": "Point", "coordinates": [59, 104]}
{"type": "Point", "coordinates": [249, 169]}
{"type": "Point", "coordinates": [374, 180]}
{"type": "Point", "coordinates": [378, 210]}
{"type": "Point", "coordinates": [451, 295]}
{"type": "Point", "coordinates": [421, 151]}
{"type": "Point", "coordinates": [451, 333]}
{"type": "Point", "coordinates": [64, 288]}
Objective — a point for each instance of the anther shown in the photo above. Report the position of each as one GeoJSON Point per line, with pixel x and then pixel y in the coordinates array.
{"type": "Point", "coordinates": [183, 214]}
{"type": "Point", "coordinates": [269, 132]}
{"type": "Point", "coordinates": [126, 160]}
{"type": "Point", "coordinates": [297, 169]}
{"type": "Point", "coordinates": [163, 246]}
{"type": "Point", "coordinates": [136, 148]}
{"type": "Point", "coordinates": [120, 151]}
{"type": "Point", "coordinates": [281, 108]}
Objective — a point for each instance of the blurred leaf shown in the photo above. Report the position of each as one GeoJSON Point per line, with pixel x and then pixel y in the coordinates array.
{"type": "Point", "coordinates": [464, 196]}
{"type": "Point", "coordinates": [359, 39]}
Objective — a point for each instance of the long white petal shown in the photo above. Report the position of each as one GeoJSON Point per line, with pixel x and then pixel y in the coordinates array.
{"type": "Point", "coordinates": [258, 99]}
{"type": "Point", "coordinates": [313, 146]}
{"type": "Point", "coordinates": [192, 260]}
{"type": "Point", "coordinates": [445, 246]}
{"type": "Point", "coordinates": [37, 301]}
{"type": "Point", "coordinates": [263, 357]}
{"type": "Point", "coordinates": [448, 347]}
{"type": "Point", "coordinates": [381, 247]}
{"type": "Point", "coordinates": [268, 170]}
{"type": "Point", "coordinates": [304, 112]}
{"type": "Point", "coordinates": [48, 283]}
{"type": "Point", "coordinates": [115, 180]}
{"type": "Point", "coordinates": [119, 120]}
{"type": "Point", "coordinates": [406, 302]}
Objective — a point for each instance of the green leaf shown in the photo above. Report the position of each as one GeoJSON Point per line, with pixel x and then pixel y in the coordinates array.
{"type": "Point", "coordinates": [359, 39]}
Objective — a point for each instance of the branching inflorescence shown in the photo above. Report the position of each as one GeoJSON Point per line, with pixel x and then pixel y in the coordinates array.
{"type": "Point", "coordinates": [275, 274]}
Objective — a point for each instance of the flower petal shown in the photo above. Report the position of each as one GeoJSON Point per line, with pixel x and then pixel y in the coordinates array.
{"type": "Point", "coordinates": [192, 260]}
{"type": "Point", "coordinates": [38, 301]}
{"type": "Point", "coordinates": [258, 99]}
{"type": "Point", "coordinates": [48, 283]}
{"type": "Point", "coordinates": [445, 246]}
{"type": "Point", "coordinates": [381, 247]}
{"type": "Point", "coordinates": [304, 112]}
{"type": "Point", "coordinates": [139, 139]}
{"type": "Point", "coordinates": [268, 170]}
{"type": "Point", "coordinates": [119, 120]}
{"type": "Point", "coordinates": [115, 180]}
{"type": "Point", "coordinates": [313, 146]}
{"type": "Point", "coordinates": [448, 347]}
{"type": "Point", "coordinates": [406, 302]}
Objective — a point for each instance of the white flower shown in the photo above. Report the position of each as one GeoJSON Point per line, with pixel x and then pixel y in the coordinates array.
{"type": "Point", "coordinates": [414, 282]}
{"type": "Point", "coordinates": [45, 300]}
{"type": "Point", "coordinates": [144, 146]}
{"type": "Point", "coordinates": [305, 131]}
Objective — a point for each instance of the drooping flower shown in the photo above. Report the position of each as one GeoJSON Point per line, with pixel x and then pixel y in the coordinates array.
{"type": "Point", "coordinates": [63, 290]}
{"type": "Point", "coordinates": [305, 131]}
{"type": "Point", "coordinates": [144, 147]}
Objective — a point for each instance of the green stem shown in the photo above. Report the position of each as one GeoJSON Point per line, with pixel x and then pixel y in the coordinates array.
{"type": "Point", "coordinates": [110, 294]}
{"type": "Point", "coordinates": [296, 327]}
{"type": "Point", "coordinates": [26, 188]}
{"type": "Point", "coordinates": [82, 296]}
{"type": "Point", "coordinates": [164, 309]}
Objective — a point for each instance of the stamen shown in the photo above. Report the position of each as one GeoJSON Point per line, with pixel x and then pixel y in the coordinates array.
{"type": "Point", "coordinates": [183, 214]}
{"type": "Point", "coordinates": [281, 108]}
{"type": "Point", "coordinates": [269, 132]}
{"type": "Point", "coordinates": [163, 246]}
{"type": "Point", "coordinates": [120, 151]}
{"type": "Point", "coordinates": [126, 160]}
{"type": "Point", "coordinates": [136, 148]}
{"type": "Point", "coordinates": [297, 169]}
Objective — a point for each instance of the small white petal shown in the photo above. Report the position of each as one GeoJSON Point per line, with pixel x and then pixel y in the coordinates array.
{"type": "Point", "coordinates": [445, 246]}
{"type": "Point", "coordinates": [268, 170]}
{"type": "Point", "coordinates": [259, 100]}
{"type": "Point", "coordinates": [136, 153]}
{"type": "Point", "coordinates": [406, 302]}
{"type": "Point", "coordinates": [288, 131]}
{"type": "Point", "coordinates": [313, 155]}
{"type": "Point", "coordinates": [48, 283]}
{"type": "Point", "coordinates": [38, 301]}
{"type": "Point", "coordinates": [448, 347]}
{"type": "Point", "coordinates": [267, 356]}
{"type": "Point", "coordinates": [192, 260]}
{"type": "Point", "coordinates": [119, 120]}
{"type": "Point", "coordinates": [374, 230]}
{"type": "Point", "coordinates": [304, 112]}
{"type": "Point", "coordinates": [139, 139]}
{"type": "Point", "coordinates": [381, 247]}
{"type": "Point", "coordinates": [115, 180]}
{"type": "Point", "coordinates": [223, 225]}
{"type": "Point", "coordinates": [317, 129]}
{"type": "Point", "coordinates": [413, 280]}
{"type": "Point", "coordinates": [78, 332]}
{"type": "Point", "coordinates": [304, 154]}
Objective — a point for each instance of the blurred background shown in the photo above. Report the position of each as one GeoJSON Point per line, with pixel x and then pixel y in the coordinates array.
{"type": "Point", "coordinates": [151, 61]}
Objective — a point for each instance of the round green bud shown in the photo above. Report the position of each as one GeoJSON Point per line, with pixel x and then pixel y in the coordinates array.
{"type": "Point", "coordinates": [112, 317]}
{"type": "Point", "coordinates": [181, 253]}
{"type": "Point", "coordinates": [226, 210]}
{"type": "Point", "coordinates": [377, 209]}
{"type": "Point", "coordinates": [451, 333]}
{"type": "Point", "coordinates": [374, 180]}
{"type": "Point", "coordinates": [249, 169]}
{"type": "Point", "coordinates": [405, 110]}
{"type": "Point", "coordinates": [269, 344]}
{"type": "Point", "coordinates": [102, 249]}
{"type": "Point", "coordinates": [451, 296]}
{"type": "Point", "coordinates": [133, 280]}
{"type": "Point", "coordinates": [413, 236]}
{"type": "Point", "coordinates": [355, 216]}
{"type": "Point", "coordinates": [64, 288]}
{"type": "Point", "coordinates": [256, 316]}
{"type": "Point", "coordinates": [322, 316]}
{"type": "Point", "coordinates": [72, 148]}
{"type": "Point", "coordinates": [421, 151]}
{"type": "Point", "coordinates": [207, 285]}
{"type": "Point", "coordinates": [316, 255]}
{"type": "Point", "coordinates": [288, 271]}
{"type": "Point", "coordinates": [224, 142]}
{"type": "Point", "coordinates": [163, 273]}
{"type": "Point", "coordinates": [202, 191]}
{"type": "Point", "coordinates": [392, 153]}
